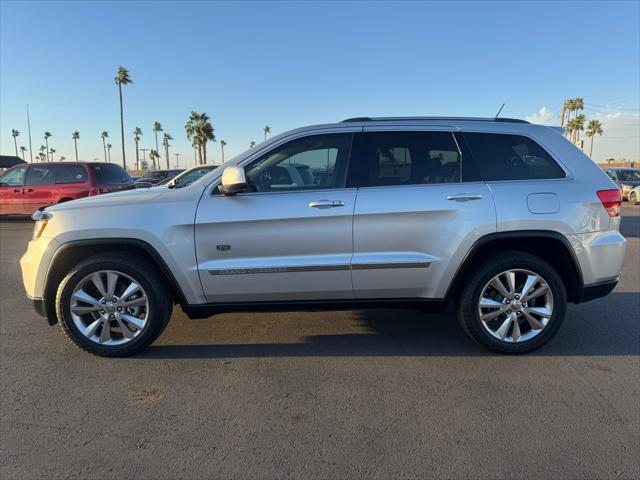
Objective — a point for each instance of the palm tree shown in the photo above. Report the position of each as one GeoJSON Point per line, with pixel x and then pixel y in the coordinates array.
{"type": "Point", "coordinates": [200, 131]}
{"type": "Point", "coordinates": [165, 141]}
{"type": "Point", "coordinates": [569, 107]}
{"type": "Point", "coordinates": [14, 134]}
{"type": "Point", "coordinates": [266, 130]}
{"type": "Point", "coordinates": [137, 133]}
{"type": "Point", "coordinates": [62, 158]}
{"type": "Point", "coordinates": [579, 126]}
{"type": "Point", "coordinates": [153, 156]}
{"type": "Point", "coordinates": [75, 135]}
{"type": "Point", "coordinates": [252, 144]}
{"type": "Point", "coordinates": [109, 151]}
{"type": "Point", "coordinates": [104, 135]}
{"type": "Point", "coordinates": [122, 78]}
{"type": "Point", "coordinates": [22, 150]}
{"type": "Point", "coordinates": [52, 151]}
{"type": "Point", "coordinates": [42, 155]}
{"type": "Point", "coordinates": [157, 127]}
{"type": "Point", "coordinates": [222, 145]}
{"type": "Point", "coordinates": [46, 141]}
{"type": "Point", "coordinates": [593, 128]}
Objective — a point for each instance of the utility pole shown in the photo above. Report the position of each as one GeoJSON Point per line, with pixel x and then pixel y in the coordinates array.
{"type": "Point", "coordinates": [177, 158]}
{"type": "Point", "coordinates": [29, 124]}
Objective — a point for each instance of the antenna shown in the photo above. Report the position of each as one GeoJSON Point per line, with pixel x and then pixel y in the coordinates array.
{"type": "Point", "coordinates": [499, 111]}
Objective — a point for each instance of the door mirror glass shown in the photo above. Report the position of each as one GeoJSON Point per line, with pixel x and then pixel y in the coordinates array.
{"type": "Point", "coordinates": [234, 181]}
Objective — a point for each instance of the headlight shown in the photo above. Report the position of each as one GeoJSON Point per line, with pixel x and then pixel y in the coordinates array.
{"type": "Point", "coordinates": [42, 219]}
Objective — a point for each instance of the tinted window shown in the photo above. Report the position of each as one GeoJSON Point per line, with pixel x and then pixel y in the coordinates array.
{"type": "Point", "coordinates": [310, 163]}
{"type": "Point", "coordinates": [110, 174]}
{"type": "Point", "coordinates": [13, 177]}
{"type": "Point", "coordinates": [41, 175]}
{"type": "Point", "coordinates": [71, 174]}
{"type": "Point", "coordinates": [410, 158]}
{"type": "Point", "coordinates": [629, 175]}
{"type": "Point", "coordinates": [190, 176]}
{"type": "Point", "coordinates": [511, 157]}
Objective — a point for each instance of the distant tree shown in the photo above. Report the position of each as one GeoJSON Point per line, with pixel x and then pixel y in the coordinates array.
{"type": "Point", "coordinates": [266, 130]}
{"type": "Point", "coordinates": [75, 135]}
{"type": "Point", "coordinates": [52, 151]}
{"type": "Point", "coordinates": [153, 156]}
{"type": "Point", "coordinates": [62, 158]}
{"type": "Point", "coordinates": [122, 78]}
{"type": "Point", "coordinates": [14, 134]}
{"type": "Point", "coordinates": [157, 127]}
{"type": "Point", "coordinates": [104, 135]}
{"type": "Point", "coordinates": [222, 145]}
{"type": "Point", "coordinates": [42, 155]}
{"type": "Point", "coordinates": [579, 126]}
{"type": "Point", "coordinates": [47, 135]}
{"type": "Point", "coordinates": [137, 133]}
{"type": "Point", "coordinates": [165, 141]}
{"type": "Point", "coordinates": [252, 144]}
{"type": "Point", "coordinates": [22, 150]}
{"type": "Point", "coordinates": [594, 127]}
{"type": "Point", "coordinates": [200, 131]}
{"type": "Point", "coordinates": [109, 151]}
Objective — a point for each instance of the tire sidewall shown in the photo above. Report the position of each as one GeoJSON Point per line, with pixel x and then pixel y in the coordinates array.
{"type": "Point", "coordinates": [471, 315]}
{"type": "Point", "coordinates": [157, 314]}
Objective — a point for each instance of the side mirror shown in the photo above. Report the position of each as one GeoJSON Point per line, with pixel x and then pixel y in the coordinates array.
{"type": "Point", "coordinates": [234, 181]}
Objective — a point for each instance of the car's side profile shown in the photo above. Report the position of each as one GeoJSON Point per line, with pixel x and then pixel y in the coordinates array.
{"type": "Point", "coordinates": [29, 187]}
{"type": "Point", "coordinates": [504, 218]}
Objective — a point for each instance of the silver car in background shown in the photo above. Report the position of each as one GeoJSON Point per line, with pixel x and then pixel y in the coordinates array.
{"type": "Point", "coordinates": [506, 219]}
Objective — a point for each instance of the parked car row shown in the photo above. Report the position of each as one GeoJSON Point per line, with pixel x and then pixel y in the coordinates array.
{"type": "Point", "coordinates": [627, 179]}
{"type": "Point", "coordinates": [29, 187]}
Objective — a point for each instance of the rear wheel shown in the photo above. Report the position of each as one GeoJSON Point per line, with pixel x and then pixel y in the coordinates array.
{"type": "Point", "coordinates": [513, 303]}
{"type": "Point", "coordinates": [633, 198]}
{"type": "Point", "coordinates": [109, 306]}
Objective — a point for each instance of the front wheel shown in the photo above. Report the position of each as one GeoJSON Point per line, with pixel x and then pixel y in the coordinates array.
{"type": "Point", "coordinates": [513, 303]}
{"type": "Point", "coordinates": [113, 307]}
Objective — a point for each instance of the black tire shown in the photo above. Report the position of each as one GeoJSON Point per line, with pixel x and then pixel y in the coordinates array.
{"type": "Point", "coordinates": [144, 273]}
{"type": "Point", "coordinates": [632, 199]}
{"type": "Point", "coordinates": [469, 316]}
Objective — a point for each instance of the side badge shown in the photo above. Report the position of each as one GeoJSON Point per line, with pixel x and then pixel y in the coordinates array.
{"type": "Point", "coordinates": [223, 248]}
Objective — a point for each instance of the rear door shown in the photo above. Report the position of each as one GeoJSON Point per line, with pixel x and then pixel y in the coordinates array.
{"type": "Point", "coordinates": [72, 181]}
{"type": "Point", "coordinates": [290, 237]}
{"type": "Point", "coordinates": [39, 186]}
{"type": "Point", "coordinates": [420, 207]}
{"type": "Point", "coordinates": [11, 185]}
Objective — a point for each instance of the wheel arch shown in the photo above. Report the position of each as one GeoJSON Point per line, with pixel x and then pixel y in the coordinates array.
{"type": "Point", "coordinates": [552, 247]}
{"type": "Point", "coordinates": [72, 253]}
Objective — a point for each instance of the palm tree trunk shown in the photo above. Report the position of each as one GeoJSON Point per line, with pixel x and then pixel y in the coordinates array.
{"type": "Point", "coordinates": [166, 153]}
{"type": "Point", "coordinates": [591, 147]}
{"type": "Point", "coordinates": [137, 156]}
{"type": "Point", "coordinates": [157, 151]}
{"type": "Point", "coordinates": [222, 154]}
{"type": "Point", "coordinates": [75, 142]}
{"type": "Point", "coordinates": [109, 154]}
{"type": "Point", "coordinates": [46, 141]}
{"type": "Point", "coordinates": [204, 152]}
{"type": "Point", "coordinates": [104, 147]}
{"type": "Point", "coordinates": [124, 161]}
{"type": "Point", "coordinates": [15, 142]}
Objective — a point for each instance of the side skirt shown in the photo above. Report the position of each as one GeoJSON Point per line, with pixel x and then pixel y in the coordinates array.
{"type": "Point", "coordinates": [205, 310]}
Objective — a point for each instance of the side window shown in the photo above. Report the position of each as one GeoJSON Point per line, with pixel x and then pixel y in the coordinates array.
{"type": "Point", "coordinates": [71, 174]}
{"type": "Point", "coordinates": [511, 157]}
{"type": "Point", "coordinates": [411, 158]}
{"type": "Point", "coordinates": [41, 175]}
{"type": "Point", "coordinates": [310, 163]}
{"type": "Point", "coordinates": [13, 177]}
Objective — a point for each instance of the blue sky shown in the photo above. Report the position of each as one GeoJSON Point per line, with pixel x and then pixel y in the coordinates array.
{"type": "Point", "coordinates": [287, 64]}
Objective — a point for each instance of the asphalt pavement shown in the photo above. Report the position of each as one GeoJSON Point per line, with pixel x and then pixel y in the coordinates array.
{"type": "Point", "coordinates": [356, 394]}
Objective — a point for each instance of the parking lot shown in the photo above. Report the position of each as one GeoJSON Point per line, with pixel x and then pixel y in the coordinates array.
{"type": "Point", "coordinates": [356, 394]}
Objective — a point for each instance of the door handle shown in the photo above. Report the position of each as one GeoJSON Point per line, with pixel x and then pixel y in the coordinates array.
{"type": "Point", "coordinates": [17, 190]}
{"type": "Point", "coordinates": [326, 204]}
{"type": "Point", "coordinates": [29, 190]}
{"type": "Point", "coordinates": [464, 197]}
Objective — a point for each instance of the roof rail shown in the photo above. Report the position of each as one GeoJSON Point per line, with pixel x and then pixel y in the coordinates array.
{"type": "Point", "coordinates": [472, 119]}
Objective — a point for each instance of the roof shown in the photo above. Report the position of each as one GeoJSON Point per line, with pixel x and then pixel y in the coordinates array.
{"type": "Point", "coordinates": [8, 161]}
{"type": "Point", "coordinates": [471, 119]}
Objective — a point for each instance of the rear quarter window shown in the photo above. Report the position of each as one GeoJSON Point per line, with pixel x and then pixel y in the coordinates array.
{"type": "Point", "coordinates": [110, 174]}
{"type": "Point", "coordinates": [511, 157]}
{"type": "Point", "coordinates": [71, 174]}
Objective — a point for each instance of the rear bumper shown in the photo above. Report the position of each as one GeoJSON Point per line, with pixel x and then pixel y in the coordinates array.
{"type": "Point", "coordinates": [597, 290]}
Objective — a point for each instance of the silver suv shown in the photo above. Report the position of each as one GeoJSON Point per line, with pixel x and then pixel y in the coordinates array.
{"type": "Point", "coordinates": [507, 219]}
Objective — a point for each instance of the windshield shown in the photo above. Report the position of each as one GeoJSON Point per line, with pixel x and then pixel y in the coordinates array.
{"type": "Point", "coordinates": [110, 174]}
{"type": "Point", "coordinates": [629, 175]}
{"type": "Point", "coordinates": [190, 176]}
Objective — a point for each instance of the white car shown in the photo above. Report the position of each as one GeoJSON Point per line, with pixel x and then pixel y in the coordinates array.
{"type": "Point", "coordinates": [634, 196]}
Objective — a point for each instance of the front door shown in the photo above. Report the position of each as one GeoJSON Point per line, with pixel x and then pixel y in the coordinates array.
{"type": "Point", "coordinates": [39, 185]}
{"type": "Point", "coordinates": [420, 207]}
{"type": "Point", "coordinates": [290, 236]}
{"type": "Point", "coordinates": [11, 183]}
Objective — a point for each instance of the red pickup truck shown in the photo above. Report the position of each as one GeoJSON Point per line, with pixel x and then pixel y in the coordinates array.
{"type": "Point", "coordinates": [27, 187]}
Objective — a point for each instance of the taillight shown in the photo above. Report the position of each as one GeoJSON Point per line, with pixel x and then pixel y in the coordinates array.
{"type": "Point", "coordinates": [94, 191]}
{"type": "Point", "coordinates": [611, 201]}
